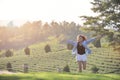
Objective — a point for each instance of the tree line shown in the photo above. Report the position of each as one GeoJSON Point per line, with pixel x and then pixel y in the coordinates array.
{"type": "Point", "coordinates": [36, 31]}
{"type": "Point", "coordinates": [106, 22]}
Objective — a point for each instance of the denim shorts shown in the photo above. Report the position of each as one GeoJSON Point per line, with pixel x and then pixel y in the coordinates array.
{"type": "Point", "coordinates": [81, 57]}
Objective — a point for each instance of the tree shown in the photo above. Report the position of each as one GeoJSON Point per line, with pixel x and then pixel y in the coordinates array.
{"type": "Point", "coordinates": [107, 20]}
{"type": "Point", "coordinates": [97, 43]}
{"type": "Point", "coordinates": [8, 53]}
{"type": "Point", "coordinates": [27, 51]}
{"type": "Point", "coordinates": [55, 27]}
{"type": "Point", "coordinates": [47, 48]}
{"type": "Point", "coordinates": [9, 66]}
{"type": "Point", "coordinates": [66, 68]}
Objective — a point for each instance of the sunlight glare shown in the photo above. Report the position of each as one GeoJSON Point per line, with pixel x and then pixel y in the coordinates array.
{"type": "Point", "coordinates": [45, 10]}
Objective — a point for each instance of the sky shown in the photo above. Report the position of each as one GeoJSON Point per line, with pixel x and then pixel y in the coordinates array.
{"type": "Point", "coordinates": [20, 11]}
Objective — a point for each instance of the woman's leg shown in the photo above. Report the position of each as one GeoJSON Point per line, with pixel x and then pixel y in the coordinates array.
{"type": "Point", "coordinates": [84, 59]}
{"type": "Point", "coordinates": [84, 64]}
{"type": "Point", "coordinates": [80, 66]}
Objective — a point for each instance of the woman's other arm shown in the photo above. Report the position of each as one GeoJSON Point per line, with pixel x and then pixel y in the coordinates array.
{"type": "Point", "coordinates": [93, 39]}
{"type": "Point", "coordinates": [71, 42]}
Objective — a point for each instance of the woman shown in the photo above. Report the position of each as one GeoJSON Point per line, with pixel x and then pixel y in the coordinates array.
{"type": "Point", "coordinates": [80, 49]}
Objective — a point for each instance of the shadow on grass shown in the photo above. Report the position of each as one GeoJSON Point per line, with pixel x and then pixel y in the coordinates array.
{"type": "Point", "coordinates": [83, 76]}
{"type": "Point", "coordinates": [60, 76]}
{"type": "Point", "coordinates": [13, 77]}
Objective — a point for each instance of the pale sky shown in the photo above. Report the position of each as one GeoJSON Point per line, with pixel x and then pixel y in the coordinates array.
{"type": "Point", "coordinates": [45, 10]}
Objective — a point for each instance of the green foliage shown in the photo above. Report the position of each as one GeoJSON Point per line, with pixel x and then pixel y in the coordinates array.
{"type": "Point", "coordinates": [108, 19]}
{"type": "Point", "coordinates": [110, 36]}
{"type": "Point", "coordinates": [97, 43]}
{"type": "Point", "coordinates": [8, 53]}
{"type": "Point", "coordinates": [66, 68]}
{"type": "Point", "coordinates": [47, 48]}
{"type": "Point", "coordinates": [94, 69]}
{"type": "Point", "coordinates": [27, 51]}
{"type": "Point", "coordinates": [26, 67]}
{"type": "Point", "coordinates": [9, 66]}
{"type": "Point", "coordinates": [116, 1]}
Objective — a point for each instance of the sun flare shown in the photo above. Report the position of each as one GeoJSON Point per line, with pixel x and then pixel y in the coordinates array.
{"type": "Point", "coordinates": [20, 11]}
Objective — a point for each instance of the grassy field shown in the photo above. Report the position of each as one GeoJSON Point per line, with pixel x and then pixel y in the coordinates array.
{"type": "Point", "coordinates": [59, 76]}
{"type": "Point", "coordinates": [39, 61]}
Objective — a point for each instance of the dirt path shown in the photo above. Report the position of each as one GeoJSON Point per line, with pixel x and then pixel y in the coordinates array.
{"type": "Point", "coordinates": [6, 72]}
